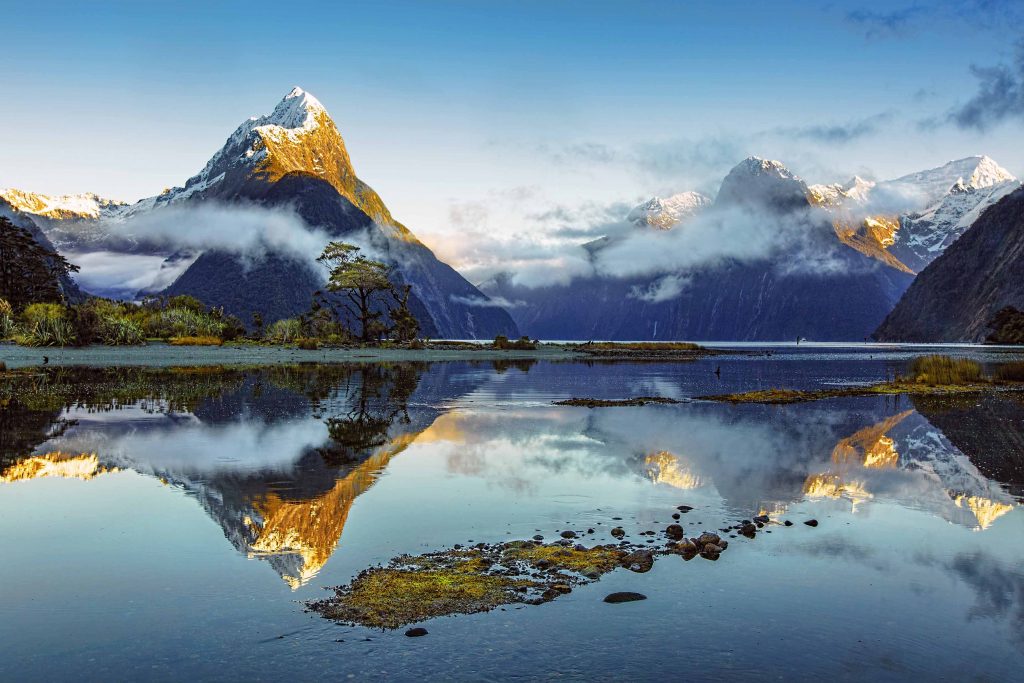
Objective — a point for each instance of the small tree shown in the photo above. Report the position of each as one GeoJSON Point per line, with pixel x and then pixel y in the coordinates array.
{"type": "Point", "coordinates": [360, 280]}
{"type": "Point", "coordinates": [406, 327]}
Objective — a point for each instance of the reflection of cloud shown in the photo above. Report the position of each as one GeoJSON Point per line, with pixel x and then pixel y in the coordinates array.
{"type": "Point", "coordinates": [999, 590]}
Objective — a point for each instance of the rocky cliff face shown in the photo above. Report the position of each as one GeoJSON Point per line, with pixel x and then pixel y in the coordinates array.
{"type": "Point", "coordinates": [955, 297]}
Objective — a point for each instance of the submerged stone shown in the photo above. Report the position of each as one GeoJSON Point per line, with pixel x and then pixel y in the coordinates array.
{"type": "Point", "coordinates": [624, 596]}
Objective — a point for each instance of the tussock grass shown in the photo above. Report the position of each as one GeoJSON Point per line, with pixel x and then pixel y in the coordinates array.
{"type": "Point", "coordinates": [1009, 372]}
{"type": "Point", "coordinates": [197, 341]}
{"type": "Point", "coordinates": [938, 370]}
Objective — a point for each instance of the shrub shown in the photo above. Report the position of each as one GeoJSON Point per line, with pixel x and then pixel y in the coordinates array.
{"type": "Point", "coordinates": [521, 344]}
{"type": "Point", "coordinates": [120, 331]}
{"type": "Point", "coordinates": [308, 343]}
{"type": "Point", "coordinates": [105, 322]}
{"type": "Point", "coordinates": [417, 345]}
{"type": "Point", "coordinates": [6, 320]}
{"type": "Point", "coordinates": [1010, 372]}
{"type": "Point", "coordinates": [186, 302]}
{"type": "Point", "coordinates": [196, 341]}
{"type": "Point", "coordinates": [943, 370]}
{"type": "Point", "coordinates": [46, 325]}
{"type": "Point", "coordinates": [284, 331]}
{"type": "Point", "coordinates": [182, 322]}
{"type": "Point", "coordinates": [232, 328]}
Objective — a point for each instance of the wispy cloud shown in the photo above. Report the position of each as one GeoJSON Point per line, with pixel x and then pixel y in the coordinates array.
{"type": "Point", "coordinates": [889, 23]}
{"type": "Point", "coordinates": [901, 22]}
{"type": "Point", "coordinates": [838, 133]}
{"type": "Point", "coordinates": [1000, 95]}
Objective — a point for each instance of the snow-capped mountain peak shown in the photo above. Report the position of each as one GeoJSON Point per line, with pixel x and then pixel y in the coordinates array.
{"type": "Point", "coordinates": [67, 206]}
{"type": "Point", "coordinates": [756, 166]}
{"type": "Point", "coordinates": [298, 109]}
{"type": "Point", "coordinates": [987, 173]}
{"type": "Point", "coordinates": [665, 213]}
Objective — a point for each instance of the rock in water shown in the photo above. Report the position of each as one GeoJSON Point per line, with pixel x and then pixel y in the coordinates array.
{"type": "Point", "coordinates": [811, 522]}
{"type": "Point", "coordinates": [624, 596]}
{"type": "Point", "coordinates": [639, 561]}
{"type": "Point", "coordinates": [416, 632]}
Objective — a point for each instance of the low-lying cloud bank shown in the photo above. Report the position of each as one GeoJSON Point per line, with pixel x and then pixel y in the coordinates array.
{"type": "Point", "coordinates": [174, 236]}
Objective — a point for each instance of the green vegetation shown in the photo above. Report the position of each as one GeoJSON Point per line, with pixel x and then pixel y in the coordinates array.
{"type": "Point", "coordinates": [944, 371]}
{"type": "Point", "coordinates": [284, 331]}
{"type": "Point", "coordinates": [390, 598]}
{"type": "Point", "coordinates": [6, 320]}
{"type": "Point", "coordinates": [196, 341]}
{"type": "Point", "coordinates": [368, 294]}
{"type": "Point", "coordinates": [29, 272]}
{"type": "Point", "coordinates": [927, 375]}
{"type": "Point", "coordinates": [1009, 372]}
{"type": "Point", "coordinates": [1007, 327]}
{"type": "Point", "coordinates": [101, 321]}
{"type": "Point", "coordinates": [45, 325]}
{"type": "Point", "coordinates": [521, 344]}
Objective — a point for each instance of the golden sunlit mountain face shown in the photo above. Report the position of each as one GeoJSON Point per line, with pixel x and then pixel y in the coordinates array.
{"type": "Point", "coordinates": [83, 466]}
{"type": "Point", "coordinates": [985, 511]}
{"type": "Point", "coordinates": [311, 529]}
{"type": "Point", "coordinates": [870, 235]}
{"type": "Point", "coordinates": [866, 449]}
{"type": "Point", "coordinates": [319, 150]}
{"type": "Point", "coordinates": [871, 448]}
{"type": "Point", "coordinates": [663, 467]}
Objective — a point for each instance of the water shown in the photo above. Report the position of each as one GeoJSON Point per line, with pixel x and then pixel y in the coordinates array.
{"type": "Point", "coordinates": [171, 523]}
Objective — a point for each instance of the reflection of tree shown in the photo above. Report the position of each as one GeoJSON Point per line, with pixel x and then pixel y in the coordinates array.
{"type": "Point", "coordinates": [502, 366]}
{"type": "Point", "coordinates": [378, 396]}
{"type": "Point", "coordinates": [32, 402]}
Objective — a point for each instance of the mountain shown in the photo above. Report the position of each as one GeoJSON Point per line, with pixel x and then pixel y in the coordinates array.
{"type": "Point", "coordinates": [292, 159]}
{"type": "Point", "coordinates": [955, 297]}
{"type": "Point", "coordinates": [908, 221]}
{"type": "Point", "coordinates": [778, 295]}
{"type": "Point", "coordinates": [664, 214]}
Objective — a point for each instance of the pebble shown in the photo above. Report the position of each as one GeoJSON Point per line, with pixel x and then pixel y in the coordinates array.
{"type": "Point", "coordinates": [416, 632]}
{"type": "Point", "coordinates": [811, 522]}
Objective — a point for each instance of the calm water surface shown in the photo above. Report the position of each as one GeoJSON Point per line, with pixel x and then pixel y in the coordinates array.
{"type": "Point", "coordinates": [168, 524]}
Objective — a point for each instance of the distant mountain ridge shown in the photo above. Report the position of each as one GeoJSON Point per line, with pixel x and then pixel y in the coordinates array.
{"type": "Point", "coordinates": [882, 232]}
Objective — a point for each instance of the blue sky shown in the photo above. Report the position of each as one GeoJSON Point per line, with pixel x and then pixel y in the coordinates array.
{"type": "Point", "coordinates": [478, 114]}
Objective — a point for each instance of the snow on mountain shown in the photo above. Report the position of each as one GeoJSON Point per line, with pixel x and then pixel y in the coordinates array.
{"type": "Point", "coordinates": [855, 190]}
{"type": "Point", "coordinates": [918, 191]}
{"type": "Point", "coordinates": [923, 236]}
{"type": "Point", "coordinates": [762, 183]}
{"type": "Point", "coordinates": [62, 207]}
{"type": "Point", "coordinates": [665, 213]}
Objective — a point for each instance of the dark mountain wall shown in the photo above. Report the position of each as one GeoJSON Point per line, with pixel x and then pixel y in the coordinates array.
{"type": "Point", "coordinates": [955, 297]}
{"type": "Point", "coordinates": [742, 302]}
{"type": "Point", "coordinates": [279, 285]}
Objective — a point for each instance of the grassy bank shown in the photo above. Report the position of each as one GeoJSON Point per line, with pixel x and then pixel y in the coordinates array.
{"type": "Point", "coordinates": [925, 376]}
